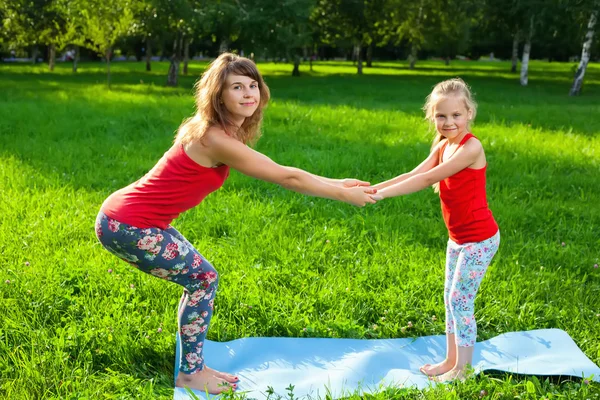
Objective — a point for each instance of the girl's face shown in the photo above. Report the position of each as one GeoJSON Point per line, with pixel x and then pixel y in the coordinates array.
{"type": "Point", "coordinates": [451, 117]}
{"type": "Point", "coordinates": [241, 97]}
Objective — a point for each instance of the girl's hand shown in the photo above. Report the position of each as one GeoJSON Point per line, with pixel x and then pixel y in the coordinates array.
{"type": "Point", "coordinates": [359, 196]}
{"type": "Point", "coordinates": [347, 183]}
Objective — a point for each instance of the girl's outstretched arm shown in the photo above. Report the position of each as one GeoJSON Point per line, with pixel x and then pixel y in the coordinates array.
{"type": "Point", "coordinates": [464, 157]}
{"type": "Point", "coordinates": [430, 162]}
{"type": "Point", "coordinates": [224, 149]}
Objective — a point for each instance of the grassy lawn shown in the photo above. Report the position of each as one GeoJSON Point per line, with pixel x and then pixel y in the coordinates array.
{"type": "Point", "coordinates": [78, 323]}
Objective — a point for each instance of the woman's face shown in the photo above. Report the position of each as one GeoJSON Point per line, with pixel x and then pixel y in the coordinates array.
{"type": "Point", "coordinates": [241, 97]}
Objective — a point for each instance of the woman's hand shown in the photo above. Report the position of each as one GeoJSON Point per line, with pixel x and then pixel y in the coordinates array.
{"type": "Point", "coordinates": [347, 183]}
{"type": "Point", "coordinates": [359, 195]}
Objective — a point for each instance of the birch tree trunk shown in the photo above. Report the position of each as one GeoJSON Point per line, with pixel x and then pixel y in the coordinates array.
{"type": "Point", "coordinates": [51, 57]}
{"type": "Point", "coordinates": [515, 52]}
{"type": "Point", "coordinates": [585, 56]}
{"type": "Point", "coordinates": [148, 54]}
{"type": "Point", "coordinates": [526, 52]}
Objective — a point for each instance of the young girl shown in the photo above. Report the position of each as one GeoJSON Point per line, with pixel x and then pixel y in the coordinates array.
{"type": "Point", "coordinates": [456, 167]}
{"type": "Point", "coordinates": [134, 222]}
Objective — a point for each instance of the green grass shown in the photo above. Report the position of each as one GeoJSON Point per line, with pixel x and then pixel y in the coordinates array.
{"type": "Point", "coordinates": [290, 265]}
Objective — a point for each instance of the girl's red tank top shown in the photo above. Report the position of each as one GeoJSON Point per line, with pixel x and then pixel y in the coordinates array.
{"type": "Point", "coordinates": [464, 203]}
{"type": "Point", "coordinates": [175, 184]}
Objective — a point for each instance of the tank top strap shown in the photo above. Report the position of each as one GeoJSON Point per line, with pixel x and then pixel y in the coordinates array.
{"type": "Point", "coordinates": [467, 137]}
{"type": "Point", "coordinates": [441, 152]}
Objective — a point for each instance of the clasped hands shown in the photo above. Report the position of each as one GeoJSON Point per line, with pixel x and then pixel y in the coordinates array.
{"type": "Point", "coordinates": [369, 192]}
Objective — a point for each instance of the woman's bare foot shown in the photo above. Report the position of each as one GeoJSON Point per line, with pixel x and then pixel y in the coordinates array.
{"type": "Point", "coordinates": [437, 369]}
{"type": "Point", "coordinates": [452, 375]}
{"type": "Point", "coordinates": [207, 380]}
{"type": "Point", "coordinates": [228, 377]}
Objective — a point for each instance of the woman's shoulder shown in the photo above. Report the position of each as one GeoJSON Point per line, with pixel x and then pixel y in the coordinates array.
{"type": "Point", "coordinates": [214, 135]}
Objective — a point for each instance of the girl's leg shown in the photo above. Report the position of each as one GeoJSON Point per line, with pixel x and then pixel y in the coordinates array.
{"type": "Point", "coordinates": [452, 253]}
{"type": "Point", "coordinates": [472, 264]}
{"type": "Point", "coordinates": [163, 254]}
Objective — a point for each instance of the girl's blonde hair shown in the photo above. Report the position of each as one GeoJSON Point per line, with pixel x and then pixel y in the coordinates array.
{"type": "Point", "coordinates": [211, 111]}
{"type": "Point", "coordinates": [451, 87]}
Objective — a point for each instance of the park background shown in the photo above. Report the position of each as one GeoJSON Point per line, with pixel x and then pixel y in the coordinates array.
{"type": "Point", "coordinates": [93, 91]}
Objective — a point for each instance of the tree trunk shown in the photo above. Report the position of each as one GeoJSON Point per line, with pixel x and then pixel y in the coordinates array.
{"type": "Point", "coordinates": [515, 52]}
{"type": "Point", "coordinates": [413, 56]}
{"type": "Point", "coordinates": [296, 71]}
{"type": "Point", "coordinates": [355, 54]}
{"type": "Point", "coordinates": [75, 58]}
{"type": "Point", "coordinates": [179, 47]}
{"type": "Point", "coordinates": [51, 57]}
{"type": "Point", "coordinates": [108, 52]}
{"type": "Point", "coordinates": [370, 55]}
{"type": "Point", "coordinates": [173, 71]}
{"type": "Point", "coordinates": [447, 60]}
{"type": "Point", "coordinates": [359, 65]}
{"type": "Point", "coordinates": [148, 54]}
{"type": "Point", "coordinates": [223, 46]}
{"type": "Point", "coordinates": [526, 51]}
{"type": "Point", "coordinates": [414, 47]}
{"type": "Point", "coordinates": [186, 56]}
{"type": "Point", "coordinates": [34, 54]}
{"type": "Point", "coordinates": [585, 56]}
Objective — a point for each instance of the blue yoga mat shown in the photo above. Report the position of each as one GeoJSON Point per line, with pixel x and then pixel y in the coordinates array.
{"type": "Point", "coordinates": [341, 366]}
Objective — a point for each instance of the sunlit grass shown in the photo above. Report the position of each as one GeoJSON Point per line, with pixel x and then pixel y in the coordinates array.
{"type": "Point", "coordinates": [290, 265]}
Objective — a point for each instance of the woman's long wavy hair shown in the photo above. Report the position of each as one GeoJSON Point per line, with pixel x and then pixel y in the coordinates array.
{"type": "Point", "coordinates": [451, 87]}
{"type": "Point", "coordinates": [210, 111]}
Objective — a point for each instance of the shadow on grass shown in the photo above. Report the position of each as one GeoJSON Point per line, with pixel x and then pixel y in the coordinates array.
{"type": "Point", "coordinates": [541, 104]}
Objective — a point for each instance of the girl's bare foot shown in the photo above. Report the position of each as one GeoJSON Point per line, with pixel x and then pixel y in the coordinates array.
{"type": "Point", "coordinates": [437, 369]}
{"type": "Point", "coordinates": [207, 380]}
{"type": "Point", "coordinates": [452, 375]}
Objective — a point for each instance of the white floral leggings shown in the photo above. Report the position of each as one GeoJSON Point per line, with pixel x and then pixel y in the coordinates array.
{"type": "Point", "coordinates": [168, 255]}
{"type": "Point", "coordinates": [465, 267]}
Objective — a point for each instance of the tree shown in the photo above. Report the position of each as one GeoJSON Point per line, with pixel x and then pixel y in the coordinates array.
{"type": "Point", "coordinates": [585, 52]}
{"type": "Point", "coordinates": [147, 24]}
{"type": "Point", "coordinates": [501, 19]}
{"type": "Point", "coordinates": [527, 52]}
{"type": "Point", "coordinates": [21, 23]}
{"type": "Point", "coordinates": [412, 22]}
{"type": "Point", "coordinates": [105, 21]}
{"type": "Point", "coordinates": [355, 21]}
{"type": "Point", "coordinates": [449, 25]}
{"type": "Point", "coordinates": [283, 31]}
{"type": "Point", "coordinates": [60, 26]}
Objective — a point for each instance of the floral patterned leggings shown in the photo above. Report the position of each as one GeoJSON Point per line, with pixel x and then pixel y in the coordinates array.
{"type": "Point", "coordinates": [168, 255]}
{"type": "Point", "coordinates": [465, 266]}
